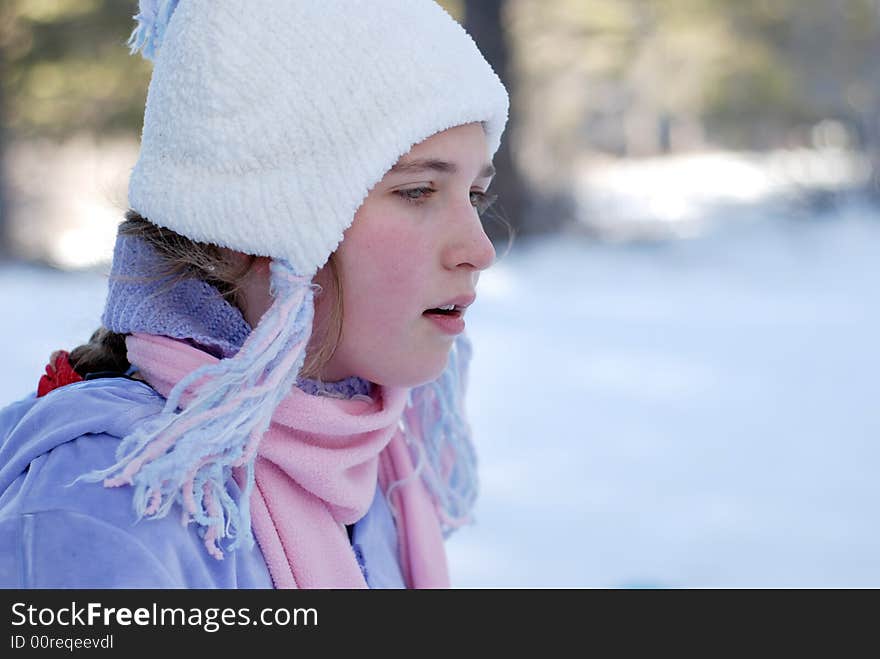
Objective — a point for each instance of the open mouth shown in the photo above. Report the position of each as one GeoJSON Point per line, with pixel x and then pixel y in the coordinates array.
{"type": "Point", "coordinates": [450, 310]}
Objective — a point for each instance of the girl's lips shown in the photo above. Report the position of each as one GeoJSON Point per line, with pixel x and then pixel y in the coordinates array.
{"type": "Point", "coordinates": [448, 323]}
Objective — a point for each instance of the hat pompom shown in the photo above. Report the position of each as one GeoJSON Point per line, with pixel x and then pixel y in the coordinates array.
{"type": "Point", "coordinates": [152, 18]}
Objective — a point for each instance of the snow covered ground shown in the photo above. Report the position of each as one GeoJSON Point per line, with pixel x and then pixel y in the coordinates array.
{"type": "Point", "coordinates": [690, 413]}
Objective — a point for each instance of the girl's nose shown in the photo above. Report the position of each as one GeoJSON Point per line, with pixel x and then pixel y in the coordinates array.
{"type": "Point", "coordinates": [469, 246]}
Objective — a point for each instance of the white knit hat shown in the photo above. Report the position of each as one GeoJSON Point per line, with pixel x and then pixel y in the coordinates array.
{"type": "Point", "coordinates": [269, 121]}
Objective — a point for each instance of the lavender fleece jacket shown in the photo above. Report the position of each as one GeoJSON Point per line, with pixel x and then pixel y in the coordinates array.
{"type": "Point", "coordinates": [56, 535]}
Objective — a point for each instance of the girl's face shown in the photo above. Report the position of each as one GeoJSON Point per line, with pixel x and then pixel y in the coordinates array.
{"type": "Point", "coordinates": [416, 243]}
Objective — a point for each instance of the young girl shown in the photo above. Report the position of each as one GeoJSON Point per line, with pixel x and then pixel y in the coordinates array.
{"type": "Point", "coordinates": [274, 398]}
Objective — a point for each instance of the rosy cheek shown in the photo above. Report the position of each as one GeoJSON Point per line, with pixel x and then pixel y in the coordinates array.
{"type": "Point", "coordinates": [386, 272]}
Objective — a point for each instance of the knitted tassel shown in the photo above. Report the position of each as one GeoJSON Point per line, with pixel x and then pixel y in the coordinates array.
{"type": "Point", "coordinates": [443, 455]}
{"type": "Point", "coordinates": [187, 456]}
{"type": "Point", "coordinates": [152, 18]}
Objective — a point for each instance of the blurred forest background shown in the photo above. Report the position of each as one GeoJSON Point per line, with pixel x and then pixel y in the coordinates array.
{"type": "Point", "coordinates": [592, 82]}
{"type": "Point", "coordinates": [674, 380]}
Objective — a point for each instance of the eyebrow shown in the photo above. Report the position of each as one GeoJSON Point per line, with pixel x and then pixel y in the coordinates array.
{"type": "Point", "coordinates": [433, 164]}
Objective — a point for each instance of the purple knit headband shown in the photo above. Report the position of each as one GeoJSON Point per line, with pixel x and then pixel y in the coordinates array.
{"type": "Point", "coordinates": [183, 309]}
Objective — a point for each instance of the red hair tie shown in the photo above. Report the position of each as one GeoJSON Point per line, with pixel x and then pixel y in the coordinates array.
{"type": "Point", "coordinates": [58, 373]}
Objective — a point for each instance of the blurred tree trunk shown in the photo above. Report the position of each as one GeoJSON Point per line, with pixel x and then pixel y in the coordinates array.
{"type": "Point", "coordinates": [872, 118]}
{"type": "Point", "coordinates": [483, 21]}
{"type": "Point", "coordinates": [5, 237]}
{"type": "Point", "coordinates": [5, 205]}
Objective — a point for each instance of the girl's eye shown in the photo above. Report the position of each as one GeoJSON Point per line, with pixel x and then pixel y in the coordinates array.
{"type": "Point", "coordinates": [480, 200]}
{"type": "Point", "coordinates": [420, 194]}
{"type": "Point", "coordinates": [484, 201]}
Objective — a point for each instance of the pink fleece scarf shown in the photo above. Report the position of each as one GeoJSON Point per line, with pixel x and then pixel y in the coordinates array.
{"type": "Point", "coordinates": [316, 470]}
